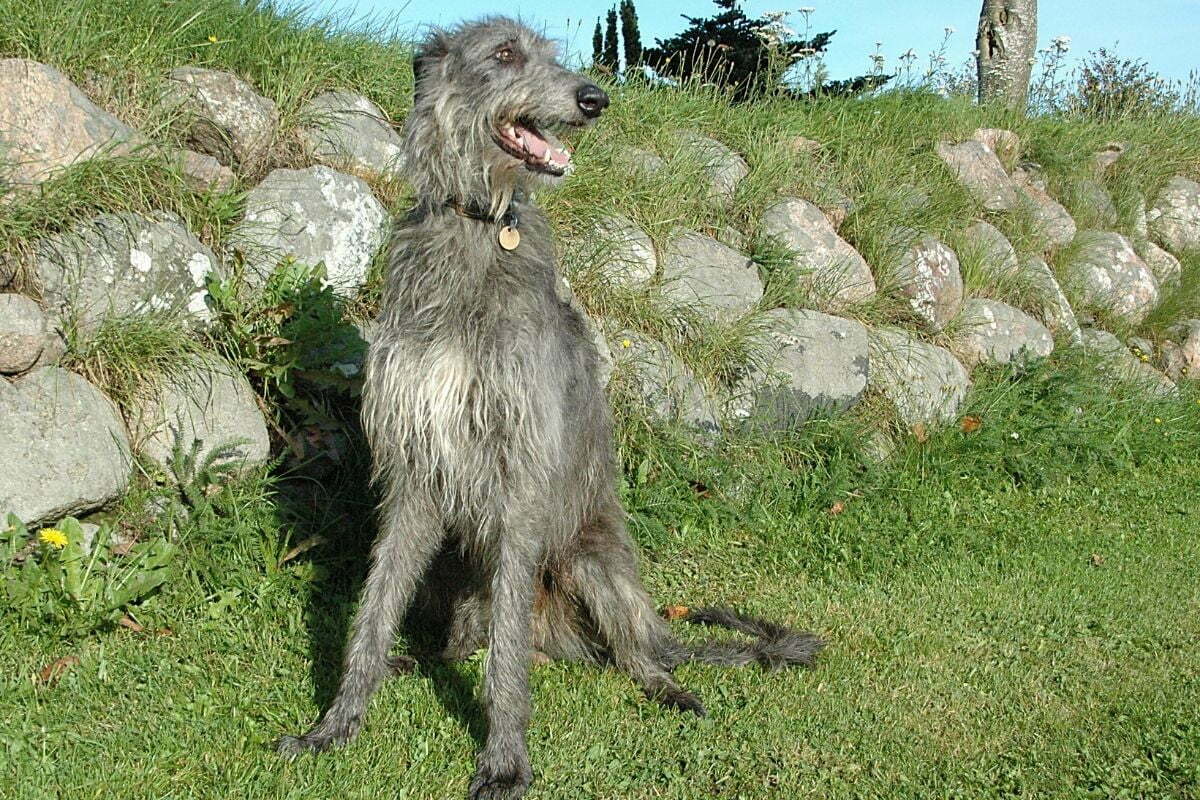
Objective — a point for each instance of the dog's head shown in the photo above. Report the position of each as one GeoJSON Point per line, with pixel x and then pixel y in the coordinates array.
{"type": "Point", "coordinates": [489, 97]}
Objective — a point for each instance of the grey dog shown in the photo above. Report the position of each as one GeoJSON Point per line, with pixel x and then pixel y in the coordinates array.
{"type": "Point", "coordinates": [490, 432]}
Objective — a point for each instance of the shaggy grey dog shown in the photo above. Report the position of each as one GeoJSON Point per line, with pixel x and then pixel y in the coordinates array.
{"type": "Point", "coordinates": [490, 432]}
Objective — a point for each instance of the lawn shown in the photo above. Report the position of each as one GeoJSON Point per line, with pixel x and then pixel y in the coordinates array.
{"type": "Point", "coordinates": [1011, 611]}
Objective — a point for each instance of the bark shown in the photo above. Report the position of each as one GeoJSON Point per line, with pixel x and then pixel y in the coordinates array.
{"type": "Point", "coordinates": [1007, 43]}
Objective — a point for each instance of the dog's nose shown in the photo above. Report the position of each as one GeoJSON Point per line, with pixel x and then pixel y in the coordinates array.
{"type": "Point", "coordinates": [592, 99]}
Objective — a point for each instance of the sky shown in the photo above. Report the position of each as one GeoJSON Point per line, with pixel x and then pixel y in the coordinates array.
{"type": "Point", "coordinates": [1163, 32]}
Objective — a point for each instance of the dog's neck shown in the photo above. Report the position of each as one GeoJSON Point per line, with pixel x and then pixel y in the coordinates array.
{"type": "Point", "coordinates": [508, 216]}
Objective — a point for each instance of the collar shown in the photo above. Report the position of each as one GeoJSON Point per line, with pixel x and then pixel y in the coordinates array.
{"type": "Point", "coordinates": [510, 218]}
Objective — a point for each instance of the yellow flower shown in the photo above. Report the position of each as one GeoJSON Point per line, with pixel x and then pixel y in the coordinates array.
{"type": "Point", "coordinates": [53, 537]}
{"type": "Point", "coordinates": [1158, 421]}
{"type": "Point", "coordinates": [212, 39]}
{"type": "Point", "coordinates": [626, 343]}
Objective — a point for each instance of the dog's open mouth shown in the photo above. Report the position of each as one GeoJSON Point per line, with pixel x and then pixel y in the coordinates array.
{"type": "Point", "coordinates": [540, 151]}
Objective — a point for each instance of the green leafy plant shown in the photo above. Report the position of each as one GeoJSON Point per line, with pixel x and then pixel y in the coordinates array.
{"type": "Point", "coordinates": [59, 579]}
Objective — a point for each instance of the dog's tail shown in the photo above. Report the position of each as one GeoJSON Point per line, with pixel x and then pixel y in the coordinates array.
{"type": "Point", "coordinates": [773, 646]}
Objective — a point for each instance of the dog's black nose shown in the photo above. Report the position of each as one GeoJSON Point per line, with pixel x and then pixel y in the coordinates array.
{"type": "Point", "coordinates": [592, 99]}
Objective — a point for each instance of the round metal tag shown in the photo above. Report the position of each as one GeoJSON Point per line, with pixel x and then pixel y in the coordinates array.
{"type": "Point", "coordinates": [509, 237]}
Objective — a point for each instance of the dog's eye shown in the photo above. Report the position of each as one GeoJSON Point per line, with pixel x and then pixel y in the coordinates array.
{"type": "Point", "coordinates": [505, 55]}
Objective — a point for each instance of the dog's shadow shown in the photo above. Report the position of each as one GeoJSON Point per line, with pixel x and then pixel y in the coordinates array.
{"type": "Point", "coordinates": [340, 569]}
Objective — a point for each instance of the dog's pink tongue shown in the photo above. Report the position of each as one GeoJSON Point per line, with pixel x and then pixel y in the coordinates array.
{"type": "Point", "coordinates": [538, 147]}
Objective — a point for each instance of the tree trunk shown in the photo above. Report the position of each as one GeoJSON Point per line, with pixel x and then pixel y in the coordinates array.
{"type": "Point", "coordinates": [1007, 44]}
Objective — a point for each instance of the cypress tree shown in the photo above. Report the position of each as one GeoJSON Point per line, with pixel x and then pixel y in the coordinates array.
{"type": "Point", "coordinates": [597, 45]}
{"type": "Point", "coordinates": [630, 36]}
{"type": "Point", "coordinates": [612, 55]}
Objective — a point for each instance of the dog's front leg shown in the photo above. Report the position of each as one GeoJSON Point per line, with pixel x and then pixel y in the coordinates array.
{"type": "Point", "coordinates": [502, 770]}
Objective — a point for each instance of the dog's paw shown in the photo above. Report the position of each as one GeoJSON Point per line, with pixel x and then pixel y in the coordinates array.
{"type": "Point", "coordinates": [682, 700]}
{"type": "Point", "coordinates": [314, 741]}
{"type": "Point", "coordinates": [500, 783]}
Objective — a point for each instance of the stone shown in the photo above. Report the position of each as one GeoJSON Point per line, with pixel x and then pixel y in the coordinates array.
{"type": "Point", "coordinates": [667, 389]}
{"type": "Point", "coordinates": [623, 251]}
{"type": "Point", "coordinates": [604, 358]}
{"type": "Point", "coordinates": [47, 123]}
{"type": "Point", "coordinates": [204, 173]}
{"type": "Point", "coordinates": [833, 272]}
{"type": "Point", "coordinates": [1175, 217]}
{"type": "Point", "coordinates": [1107, 156]}
{"type": "Point", "coordinates": [1166, 267]}
{"type": "Point", "coordinates": [222, 115]}
{"type": "Point", "coordinates": [1107, 274]}
{"type": "Point", "coordinates": [1174, 364]}
{"type": "Point", "coordinates": [63, 445]}
{"type": "Point", "coordinates": [23, 333]}
{"type": "Point", "coordinates": [347, 131]}
{"type": "Point", "coordinates": [314, 216]}
{"type": "Point", "coordinates": [1056, 311]}
{"type": "Point", "coordinates": [121, 264]}
{"type": "Point", "coordinates": [925, 383]}
{"type": "Point", "coordinates": [1188, 335]}
{"type": "Point", "coordinates": [992, 247]}
{"type": "Point", "coordinates": [724, 168]}
{"type": "Point", "coordinates": [53, 348]}
{"type": "Point", "coordinates": [814, 363]}
{"type": "Point", "coordinates": [642, 162]}
{"type": "Point", "coordinates": [1054, 223]}
{"type": "Point", "coordinates": [1096, 204]}
{"type": "Point", "coordinates": [1004, 143]}
{"type": "Point", "coordinates": [206, 401]}
{"type": "Point", "coordinates": [992, 332]}
{"type": "Point", "coordinates": [1140, 346]}
{"type": "Point", "coordinates": [930, 277]}
{"type": "Point", "coordinates": [803, 145]}
{"type": "Point", "coordinates": [981, 173]}
{"type": "Point", "coordinates": [1031, 173]}
{"type": "Point", "coordinates": [1115, 361]}
{"type": "Point", "coordinates": [697, 270]}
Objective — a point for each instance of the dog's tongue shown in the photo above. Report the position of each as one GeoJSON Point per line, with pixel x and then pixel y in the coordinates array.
{"type": "Point", "coordinates": [539, 147]}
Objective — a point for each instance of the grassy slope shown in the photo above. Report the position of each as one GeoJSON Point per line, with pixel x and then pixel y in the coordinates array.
{"type": "Point", "coordinates": [974, 647]}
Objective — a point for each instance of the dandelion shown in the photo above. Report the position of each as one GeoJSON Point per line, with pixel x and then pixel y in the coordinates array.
{"type": "Point", "coordinates": [1158, 420]}
{"type": "Point", "coordinates": [626, 343]}
{"type": "Point", "coordinates": [212, 39]}
{"type": "Point", "coordinates": [53, 537]}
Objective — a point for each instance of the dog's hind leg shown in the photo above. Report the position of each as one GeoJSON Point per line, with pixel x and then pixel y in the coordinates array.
{"type": "Point", "coordinates": [604, 576]}
{"type": "Point", "coordinates": [409, 538]}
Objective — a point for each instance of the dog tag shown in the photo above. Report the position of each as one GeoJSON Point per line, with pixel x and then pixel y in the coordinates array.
{"type": "Point", "coordinates": [509, 237]}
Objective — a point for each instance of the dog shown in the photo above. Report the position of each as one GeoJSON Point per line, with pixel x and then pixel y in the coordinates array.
{"type": "Point", "coordinates": [490, 433]}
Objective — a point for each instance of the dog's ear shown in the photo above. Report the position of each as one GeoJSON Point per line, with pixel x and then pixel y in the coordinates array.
{"type": "Point", "coordinates": [428, 56]}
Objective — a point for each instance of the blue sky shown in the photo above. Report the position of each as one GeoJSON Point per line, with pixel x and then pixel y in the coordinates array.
{"type": "Point", "coordinates": [1163, 32]}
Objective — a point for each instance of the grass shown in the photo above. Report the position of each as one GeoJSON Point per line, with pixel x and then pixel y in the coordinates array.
{"type": "Point", "coordinates": [1011, 611]}
{"type": "Point", "coordinates": [1006, 615]}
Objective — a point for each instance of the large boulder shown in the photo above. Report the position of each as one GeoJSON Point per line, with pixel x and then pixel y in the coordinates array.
{"type": "Point", "coordinates": [347, 131]}
{"type": "Point", "coordinates": [47, 123]}
{"type": "Point", "coordinates": [814, 363]}
{"type": "Point", "coordinates": [121, 264]}
{"type": "Point", "coordinates": [925, 383]}
{"type": "Point", "coordinates": [207, 402]}
{"type": "Point", "coordinates": [1175, 217]}
{"type": "Point", "coordinates": [63, 446]}
{"type": "Point", "coordinates": [834, 274]}
{"type": "Point", "coordinates": [222, 115]}
{"type": "Point", "coordinates": [724, 168]}
{"type": "Point", "coordinates": [23, 333]}
{"type": "Point", "coordinates": [1004, 143]}
{"type": "Point", "coordinates": [1051, 220]}
{"type": "Point", "coordinates": [622, 250]}
{"type": "Point", "coordinates": [992, 247]}
{"type": "Point", "coordinates": [1115, 361]}
{"type": "Point", "coordinates": [1094, 203]}
{"type": "Point", "coordinates": [1166, 267]}
{"type": "Point", "coordinates": [981, 173]}
{"type": "Point", "coordinates": [993, 332]}
{"type": "Point", "coordinates": [655, 377]}
{"type": "Point", "coordinates": [1108, 274]}
{"type": "Point", "coordinates": [1056, 312]}
{"type": "Point", "coordinates": [930, 277]}
{"type": "Point", "coordinates": [314, 216]}
{"type": "Point", "coordinates": [697, 270]}
{"type": "Point", "coordinates": [1188, 335]}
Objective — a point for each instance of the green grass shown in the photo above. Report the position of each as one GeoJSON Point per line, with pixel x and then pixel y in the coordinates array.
{"type": "Point", "coordinates": [1005, 615]}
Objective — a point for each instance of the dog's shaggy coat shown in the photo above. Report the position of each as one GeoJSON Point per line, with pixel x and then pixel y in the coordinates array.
{"type": "Point", "coordinates": [490, 432]}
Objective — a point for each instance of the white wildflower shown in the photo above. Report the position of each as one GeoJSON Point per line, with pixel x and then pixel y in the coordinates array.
{"type": "Point", "coordinates": [951, 30]}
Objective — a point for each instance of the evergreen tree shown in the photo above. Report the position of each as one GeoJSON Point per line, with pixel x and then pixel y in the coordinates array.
{"type": "Point", "coordinates": [612, 57]}
{"type": "Point", "coordinates": [630, 36]}
{"type": "Point", "coordinates": [597, 45]}
{"type": "Point", "coordinates": [733, 50]}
